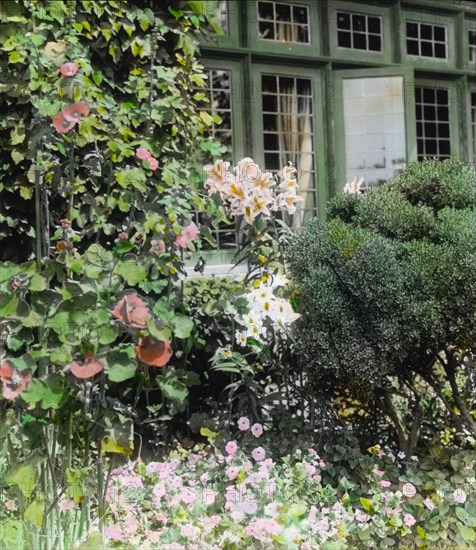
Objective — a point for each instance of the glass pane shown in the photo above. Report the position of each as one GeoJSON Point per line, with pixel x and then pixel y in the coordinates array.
{"type": "Point", "coordinates": [433, 127]}
{"type": "Point", "coordinates": [374, 122]}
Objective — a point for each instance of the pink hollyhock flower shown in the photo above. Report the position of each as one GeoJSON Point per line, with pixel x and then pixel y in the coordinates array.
{"type": "Point", "coordinates": [325, 511]}
{"type": "Point", "coordinates": [75, 111]}
{"type": "Point", "coordinates": [384, 483]}
{"type": "Point", "coordinates": [231, 447]}
{"type": "Point", "coordinates": [257, 430]}
{"type": "Point", "coordinates": [247, 465]}
{"type": "Point", "coordinates": [88, 369]}
{"type": "Point", "coordinates": [159, 490]}
{"type": "Point", "coordinates": [459, 496]}
{"type": "Point", "coordinates": [409, 490]}
{"type": "Point", "coordinates": [379, 473]}
{"type": "Point", "coordinates": [10, 505]}
{"type": "Point", "coordinates": [312, 451]}
{"type": "Point", "coordinates": [381, 453]}
{"type": "Point", "coordinates": [132, 311]}
{"type": "Point", "coordinates": [61, 124]}
{"type": "Point", "coordinates": [409, 520]}
{"type": "Point", "coordinates": [188, 234]}
{"type": "Point", "coordinates": [249, 506]}
{"type": "Point", "coordinates": [174, 463]}
{"type": "Point", "coordinates": [69, 69]}
{"type": "Point", "coordinates": [210, 523]}
{"type": "Point", "coordinates": [258, 454]}
{"type": "Point", "coordinates": [153, 163]}
{"type": "Point", "coordinates": [13, 380]}
{"type": "Point", "coordinates": [143, 154]}
{"type": "Point", "coordinates": [322, 463]}
{"type": "Point", "coordinates": [204, 477]}
{"type": "Point", "coordinates": [157, 246]}
{"type": "Point", "coordinates": [243, 424]}
{"type": "Point", "coordinates": [161, 517]}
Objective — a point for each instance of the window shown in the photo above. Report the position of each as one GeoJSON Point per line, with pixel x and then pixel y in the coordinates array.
{"type": "Point", "coordinates": [472, 45]}
{"type": "Point", "coordinates": [426, 40]}
{"type": "Point", "coordinates": [288, 134]}
{"type": "Point", "coordinates": [359, 32]}
{"type": "Point", "coordinates": [432, 122]}
{"type": "Point", "coordinates": [473, 123]}
{"type": "Point", "coordinates": [218, 91]}
{"type": "Point", "coordinates": [374, 127]}
{"type": "Point", "coordinates": [283, 22]}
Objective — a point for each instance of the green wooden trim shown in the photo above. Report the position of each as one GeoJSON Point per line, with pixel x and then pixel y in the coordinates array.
{"type": "Point", "coordinates": [385, 56]}
{"type": "Point", "coordinates": [455, 111]}
{"type": "Point", "coordinates": [237, 104]}
{"type": "Point", "coordinates": [232, 37]}
{"type": "Point", "coordinates": [274, 46]}
{"type": "Point", "coordinates": [449, 21]}
{"type": "Point", "coordinates": [339, 123]}
{"type": "Point", "coordinates": [319, 128]}
{"type": "Point", "coordinates": [470, 25]}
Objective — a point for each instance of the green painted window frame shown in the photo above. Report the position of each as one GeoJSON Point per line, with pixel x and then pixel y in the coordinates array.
{"type": "Point", "coordinates": [315, 75]}
{"type": "Point", "coordinates": [219, 256]}
{"type": "Point", "coordinates": [339, 127]}
{"type": "Point", "coordinates": [454, 100]}
{"type": "Point", "coordinates": [292, 49]}
{"type": "Point", "coordinates": [449, 22]}
{"type": "Point", "coordinates": [232, 37]}
{"type": "Point", "coordinates": [470, 25]}
{"type": "Point", "coordinates": [384, 12]}
{"type": "Point", "coordinates": [471, 132]}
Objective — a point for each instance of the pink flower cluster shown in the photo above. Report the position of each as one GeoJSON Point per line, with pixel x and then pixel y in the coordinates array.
{"type": "Point", "coordinates": [248, 192]}
{"type": "Point", "coordinates": [143, 154]}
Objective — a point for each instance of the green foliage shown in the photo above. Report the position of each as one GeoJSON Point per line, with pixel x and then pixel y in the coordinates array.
{"type": "Point", "coordinates": [388, 285]}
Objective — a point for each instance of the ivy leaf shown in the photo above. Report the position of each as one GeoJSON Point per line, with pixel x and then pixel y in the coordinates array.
{"type": "Point", "coordinates": [48, 392]}
{"type": "Point", "coordinates": [131, 271]}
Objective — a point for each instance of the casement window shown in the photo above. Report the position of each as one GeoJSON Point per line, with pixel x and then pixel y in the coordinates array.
{"type": "Point", "coordinates": [284, 22]}
{"type": "Point", "coordinates": [472, 45]}
{"type": "Point", "coordinates": [473, 123]}
{"type": "Point", "coordinates": [359, 31]}
{"type": "Point", "coordinates": [426, 40]}
{"type": "Point", "coordinates": [433, 122]}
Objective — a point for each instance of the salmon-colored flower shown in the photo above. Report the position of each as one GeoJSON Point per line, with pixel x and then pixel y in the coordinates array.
{"type": "Point", "coordinates": [157, 246]}
{"type": "Point", "coordinates": [133, 311]}
{"type": "Point", "coordinates": [75, 111]}
{"type": "Point", "coordinates": [153, 163]}
{"type": "Point", "coordinates": [188, 234]}
{"type": "Point", "coordinates": [61, 124]}
{"type": "Point", "coordinates": [13, 380]}
{"type": "Point", "coordinates": [88, 369]}
{"type": "Point", "coordinates": [154, 354]}
{"type": "Point", "coordinates": [65, 120]}
{"type": "Point", "coordinates": [69, 69]}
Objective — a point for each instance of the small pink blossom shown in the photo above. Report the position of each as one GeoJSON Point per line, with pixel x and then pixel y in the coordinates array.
{"type": "Point", "coordinates": [157, 246]}
{"type": "Point", "coordinates": [193, 459]}
{"type": "Point", "coordinates": [310, 469]}
{"type": "Point", "coordinates": [188, 496]}
{"type": "Point", "coordinates": [232, 472]}
{"type": "Point", "coordinates": [409, 520]}
{"type": "Point", "coordinates": [459, 496]}
{"type": "Point", "coordinates": [142, 153]}
{"type": "Point", "coordinates": [381, 453]}
{"type": "Point", "coordinates": [66, 505]}
{"type": "Point", "coordinates": [249, 506]}
{"type": "Point", "coordinates": [114, 532]}
{"type": "Point", "coordinates": [427, 502]}
{"type": "Point", "coordinates": [10, 505]}
{"type": "Point", "coordinates": [153, 536]}
{"type": "Point", "coordinates": [409, 490]}
{"type": "Point", "coordinates": [258, 454]}
{"type": "Point", "coordinates": [243, 424]}
{"type": "Point", "coordinates": [312, 451]}
{"type": "Point", "coordinates": [69, 69]}
{"type": "Point", "coordinates": [361, 517]}
{"type": "Point", "coordinates": [161, 517]}
{"type": "Point", "coordinates": [190, 531]}
{"type": "Point", "coordinates": [257, 430]}
{"type": "Point", "coordinates": [153, 163]}
{"type": "Point", "coordinates": [325, 511]}
{"type": "Point", "coordinates": [379, 473]}
{"type": "Point", "coordinates": [188, 234]}
{"type": "Point", "coordinates": [384, 483]}
{"type": "Point", "coordinates": [231, 447]}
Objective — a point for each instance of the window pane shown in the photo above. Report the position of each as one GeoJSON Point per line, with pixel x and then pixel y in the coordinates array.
{"type": "Point", "coordinates": [374, 125]}
{"type": "Point", "coordinates": [283, 22]}
{"type": "Point", "coordinates": [432, 118]}
{"type": "Point", "coordinates": [359, 31]}
{"type": "Point", "coordinates": [472, 45]}
{"type": "Point", "coordinates": [288, 135]}
{"type": "Point", "coordinates": [426, 40]}
{"type": "Point", "coordinates": [473, 124]}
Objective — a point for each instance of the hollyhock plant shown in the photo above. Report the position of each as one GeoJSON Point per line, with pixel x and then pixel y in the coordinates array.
{"type": "Point", "coordinates": [65, 120]}
{"type": "Point", "coordinates": [132, 311]}
{"type": "Point", "coordinates": [154, 353]}
{"type": "Point", "coordinates": [188, 234]}
{"type": "Point", "coordinates": [257, 430]}
{"type": "Point", "coordinates": [69, 69]}
{"type": "Point", "coordinates": [13, 380]}
{"type": "Point", "coordinates": [243, 424]}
